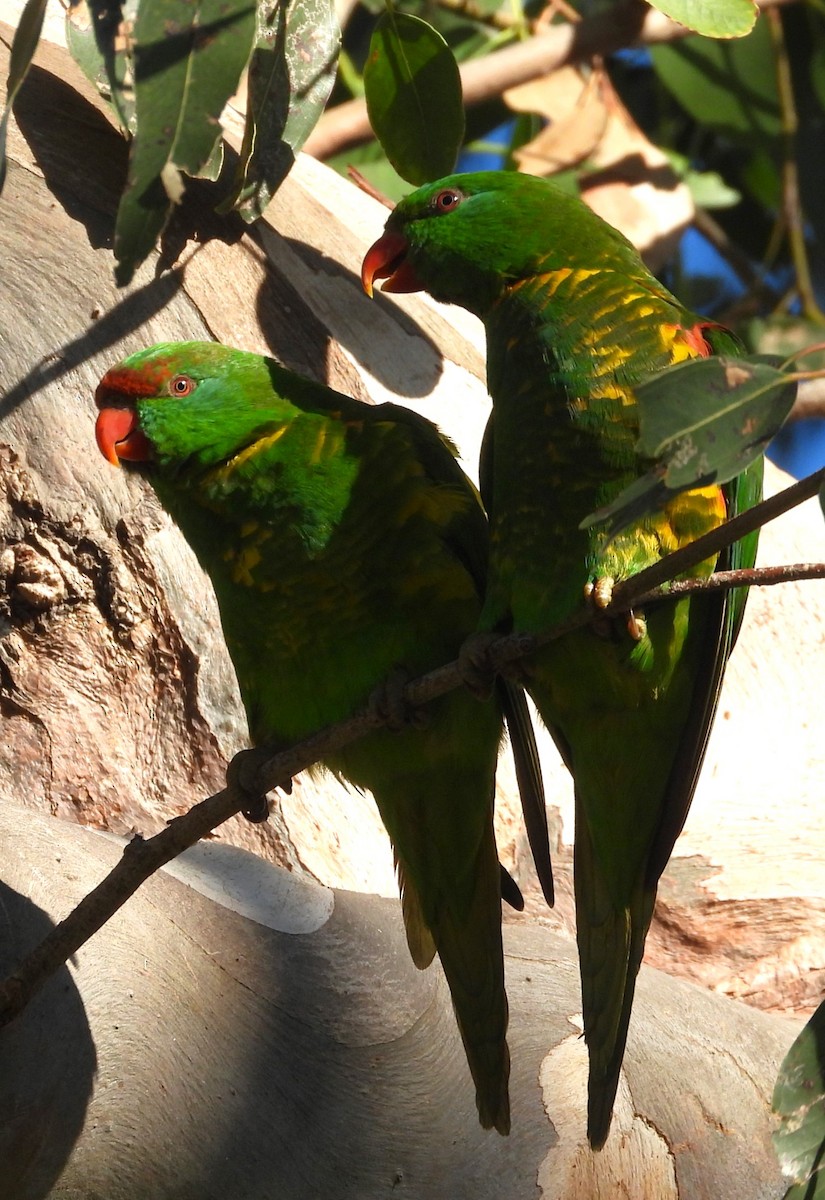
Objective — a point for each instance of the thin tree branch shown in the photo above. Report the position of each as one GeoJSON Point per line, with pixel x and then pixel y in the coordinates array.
{"type": "Point", "coordinates": [625, 593]}
{"type": "Point", "coordinates": [554, 46]}
{"type": "Point", "coordinates": [142, 857]}
{"type": "Point", "coordinates": [725, 580]}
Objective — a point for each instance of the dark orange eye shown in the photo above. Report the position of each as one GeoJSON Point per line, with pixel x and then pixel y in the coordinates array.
{"type": "Point", "coordinates": [446, 200]}
{"type": "Point", "coordinates": [181, 385]}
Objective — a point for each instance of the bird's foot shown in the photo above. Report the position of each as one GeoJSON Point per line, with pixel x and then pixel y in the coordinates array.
{"type": "Point", "coordinates": [636, 625]}
{"type": "Point", "coordinates": [478, 670]}
{"type": "Point", "coordinates": [389, 704]}
{"type": "Point", "coordinates": [475, 665]}
{"type": "Point", "coordinates": [242, 776]}
{"type": "Point", "coordinates": [598, 593]}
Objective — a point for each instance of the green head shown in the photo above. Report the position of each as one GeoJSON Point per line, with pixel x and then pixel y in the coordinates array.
{"type": "Point", "coordinates": [226, 431]}
{"type": "Point", "coordinates": [466, 237]}
{"type": "Point", "coordinates": [193, 404]}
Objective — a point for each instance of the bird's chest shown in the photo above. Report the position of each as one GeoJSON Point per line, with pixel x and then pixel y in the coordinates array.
{"type": "Point", "coordinates": [313, 630]}
{"type": "Point", "coordinates": [563, 445]}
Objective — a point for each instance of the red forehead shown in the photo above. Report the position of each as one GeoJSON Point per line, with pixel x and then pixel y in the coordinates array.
{"type": "Point", "coordinates": [132, 383]}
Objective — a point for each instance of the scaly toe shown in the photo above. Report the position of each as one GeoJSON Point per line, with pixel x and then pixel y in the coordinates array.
{"type": "Point", "coordinates": [636, 625]}
{"type": "Point", "coordinates": [477, 671]}
{"type": "Point", "coordinates": [388, 702]}
{"type": "Point", "coordinates": [599, 592]}
{"type": "Point", "coordinates": [242, 775]}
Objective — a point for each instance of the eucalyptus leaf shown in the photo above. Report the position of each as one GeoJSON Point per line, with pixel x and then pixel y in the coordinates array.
{"type": "Point", "coordinates": [97, 36]}
{"type": "Point", "coordinates": [700, 422]}
{"type": "Point", "coordinates": [713, 18]}
{"type": "Point", "coordinates": [799, 1101]}
{"type": "Point", "coordinates": [727, 86]}
{"type": "Point", "coordinates": [291, 75]}
{"type": "Point", "coordinates": [188, 57]}
{"type": "Point", "coordinates": [413, 92]}
{"type": "Point", "coordinates": [23, 46]}
{"type": "Point", "coordinates": [709, 190]}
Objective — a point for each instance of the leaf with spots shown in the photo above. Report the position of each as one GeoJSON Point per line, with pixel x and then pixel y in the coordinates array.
{"type": "Point", "coordinates": [188, 57]}
{"type": "Point", "coordinates": [713, 18]}
{"type": "Point", "coordinates": [291, 74]}
{"type": "Point", "coordinates": [799, 1101]}
{"type": "Point", "coordinates": [98, 37]}
{"type": "Point", "coordinates": [700, 422]}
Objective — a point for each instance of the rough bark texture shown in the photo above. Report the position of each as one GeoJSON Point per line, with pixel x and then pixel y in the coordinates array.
{"type": "Point", "coordinates": [119, 709]}
{"type": "Point", "coordinates": [118, 699]}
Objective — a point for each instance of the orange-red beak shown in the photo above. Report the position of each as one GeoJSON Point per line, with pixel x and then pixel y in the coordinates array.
{"type": "Point", "coordinates": [118, 436]}
{"type": "Point", "coordinates": [387, 260]}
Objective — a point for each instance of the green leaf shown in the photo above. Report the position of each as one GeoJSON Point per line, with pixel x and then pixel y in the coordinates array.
{"type": "Point", "coordinates": [803, 34]}
{"type": "Point", "coordinates": [700, 422]}
{"type": "Point", "coordinates": [708, 188]}
{"type": "Point", "coordinates": [413, 92]}
{"type": "Point", "coordinates": [291, 75]}
{"type": "Point", "coordinates": [188, 57]}
{"type": "Point", "coordinates": [726, 86]}
{"type": "Point", "coordinates": [23, 46]}
{"type": "Point", "coordinates": [713, 18]}
{"type": "Point", "coordinates": [373, 164]}
{"type": "Point", "coordinates": [799, 1101]}
{"type": "Point", "coordinates": [95, 36]}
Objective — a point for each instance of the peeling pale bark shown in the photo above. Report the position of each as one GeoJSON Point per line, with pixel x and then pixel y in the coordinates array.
{"type": "Point", "coordinates": [272, 1039]}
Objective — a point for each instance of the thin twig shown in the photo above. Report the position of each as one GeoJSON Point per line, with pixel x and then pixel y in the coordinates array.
{"type": "Point", "coordinates": [709, 544]}
{"type": "Point", "coordinates": [142, 857]}
{"type": "Point", "coordinates": [725, 580]}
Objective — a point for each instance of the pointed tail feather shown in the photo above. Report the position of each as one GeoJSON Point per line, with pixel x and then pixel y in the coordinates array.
{"type": "Point", "coordinates": [419, 938]}
{"type": "Point", "coordinates": [611, 947]}
{"type": "Point", "coordinates": [468, 939]}
{"type": "Point", "coordinates": [471, 953]}
{"type": "Point", "coordinates": [530, 782]}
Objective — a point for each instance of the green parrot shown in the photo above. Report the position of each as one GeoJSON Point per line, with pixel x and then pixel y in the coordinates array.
{"type": "Point", "coordinates": [344, 542]}
{"type": "Point", "coordinates": [573, 321]}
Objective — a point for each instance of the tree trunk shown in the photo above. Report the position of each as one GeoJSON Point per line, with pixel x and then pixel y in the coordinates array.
{"type": "Point", "coordinates": [253, 1035]}
{"type": "Point", "coordinates": [120, 709]}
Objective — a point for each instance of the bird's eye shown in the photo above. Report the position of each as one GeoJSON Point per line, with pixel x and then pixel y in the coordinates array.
{"type": "Point", "coordinates": [181, 385]}
{"type": "Point", "coordinates": [446, 200]}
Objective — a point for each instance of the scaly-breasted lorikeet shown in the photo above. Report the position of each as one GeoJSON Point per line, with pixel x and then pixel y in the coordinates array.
{"type": "Point", "coordinates": [573, 321]}
{"type": "Point", "coordinates": [343, 542]}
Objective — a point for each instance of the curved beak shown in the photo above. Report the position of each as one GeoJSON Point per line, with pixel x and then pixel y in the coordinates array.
{"type": "Point", "coordinates": [118, 436]}
{"type": "Point", "coordinates": [387, 260]}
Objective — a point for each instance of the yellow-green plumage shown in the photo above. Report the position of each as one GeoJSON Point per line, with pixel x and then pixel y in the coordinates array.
{"type": "Point", "coordinates": [573, 321]}
{"type": "Point", "coordinates": [343, 542]}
